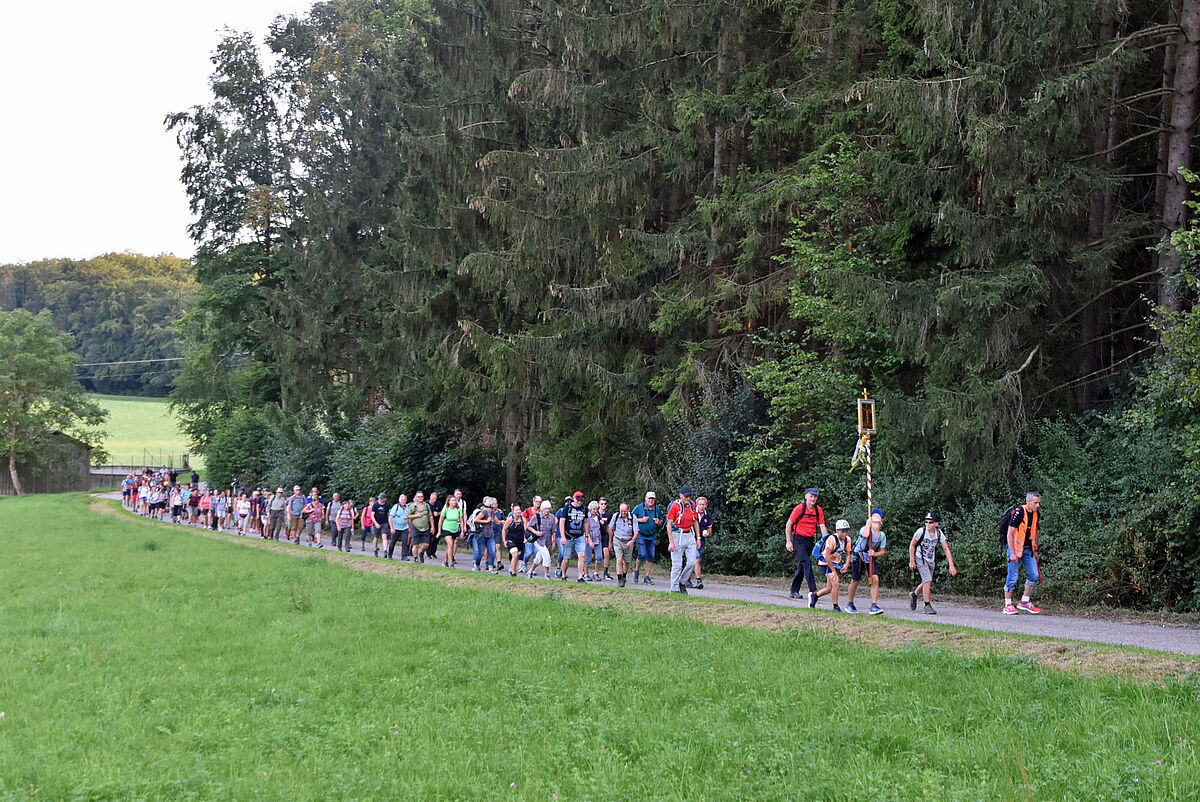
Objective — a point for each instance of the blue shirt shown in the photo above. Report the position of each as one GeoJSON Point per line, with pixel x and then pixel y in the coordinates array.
{"type": "Point", "coordinates": [649, 528]}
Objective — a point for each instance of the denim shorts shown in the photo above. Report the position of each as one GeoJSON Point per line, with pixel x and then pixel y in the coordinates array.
{"type": "Point", "coordinates": [575, 544]}
{"type": "Point", "coordinates": [646, 547]}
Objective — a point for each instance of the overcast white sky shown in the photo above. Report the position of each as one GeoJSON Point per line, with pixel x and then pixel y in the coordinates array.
{"type": "Point", "coordinates": [86, 166]}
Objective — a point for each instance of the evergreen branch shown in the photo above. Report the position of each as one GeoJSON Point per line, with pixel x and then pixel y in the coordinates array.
{"type": "Point", "coordinates": [1095, 375]}
{"type": "Point", "coordinates": [1116, 285]}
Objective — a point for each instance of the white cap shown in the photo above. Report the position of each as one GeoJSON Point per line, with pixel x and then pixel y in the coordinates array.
{"type": "Point", "coordinates": [650, 494]}
{"type": "Point", "coordinates": [842, 524]}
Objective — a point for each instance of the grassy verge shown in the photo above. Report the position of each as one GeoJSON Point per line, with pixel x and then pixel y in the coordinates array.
{"type": "Point", "coordinates": [142, 661]}
{"type": "Point", "coordinates": [141, 431]}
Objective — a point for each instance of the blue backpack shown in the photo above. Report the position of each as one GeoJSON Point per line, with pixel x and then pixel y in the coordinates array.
{"type": "Point", "coordinates": [818, 552]}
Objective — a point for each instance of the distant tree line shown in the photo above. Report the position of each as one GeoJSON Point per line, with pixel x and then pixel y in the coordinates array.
{"type": "Point", "coordinates": [119, 307]}
{"type": "Point", "coordinates": [630, 243]}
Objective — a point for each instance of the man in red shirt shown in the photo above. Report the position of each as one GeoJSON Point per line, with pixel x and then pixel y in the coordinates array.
{"type": "Point", "coordinates": [803, 523]}
{"type": "Point", "coordinates": [681, 532]}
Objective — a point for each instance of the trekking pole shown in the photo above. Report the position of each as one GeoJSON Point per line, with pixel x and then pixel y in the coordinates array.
{"type": "Point", "coordinates": [870, 531]}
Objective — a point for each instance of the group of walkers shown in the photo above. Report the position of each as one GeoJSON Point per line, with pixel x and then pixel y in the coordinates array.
{"type": "Point", "coordinates": [598, 540]}
{"type": "Point", "coordinates": [836, 556]}
{"type": "Point", "coordinates": [602, 544]}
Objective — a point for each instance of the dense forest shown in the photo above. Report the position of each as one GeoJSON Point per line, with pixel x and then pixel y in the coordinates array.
{"type": "Point", "coordinates": [119, 307]}
{"type": "Point", "coordinates": [626, 244]}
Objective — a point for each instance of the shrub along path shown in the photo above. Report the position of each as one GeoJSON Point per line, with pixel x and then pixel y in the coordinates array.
{"type": "Point", "coordinates": [1145, 634]}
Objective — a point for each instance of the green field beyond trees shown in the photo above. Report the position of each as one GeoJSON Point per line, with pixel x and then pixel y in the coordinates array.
{"type": "Point", "coordinates": [145, 661]}
{"type": "Point", "coordinates": [141, 431]}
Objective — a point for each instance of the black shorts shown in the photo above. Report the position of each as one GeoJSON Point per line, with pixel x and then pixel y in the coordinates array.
{"type": "Point", "coordinates": [860, 569]}
{"type": "Point", "coordinates": [176, 510]}
{"type": "Point", "coordinates": [421, 538]}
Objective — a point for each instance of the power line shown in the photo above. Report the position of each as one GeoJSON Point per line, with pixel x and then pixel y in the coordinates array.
{"type": "Point", "coordinates": [128, 362]}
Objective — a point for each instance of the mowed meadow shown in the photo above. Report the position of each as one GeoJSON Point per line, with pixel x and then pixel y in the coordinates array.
{"type": "Point", "coordinates": [141, 431]}
{"type": "Point", "coordinates": [145, 661]}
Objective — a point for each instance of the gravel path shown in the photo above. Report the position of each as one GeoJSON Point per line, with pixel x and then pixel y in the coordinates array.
{"type": "Point", "coordinates": [1147, 635]}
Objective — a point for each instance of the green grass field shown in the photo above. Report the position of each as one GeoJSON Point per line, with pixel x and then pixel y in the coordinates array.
{"type": "Point", "coordinates": [144, 661]}
{"type": "Point", "coordinates": [142, 432]}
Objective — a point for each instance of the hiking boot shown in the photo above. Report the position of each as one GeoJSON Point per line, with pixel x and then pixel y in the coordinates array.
{"type": "Point", "coordinates": [682, 589]}
{"type": "Point", "coordinates": [875, 609]}
{"type": "Point", "coordinates": [1010, 609]}
{"type": "Point", "coordinates": [1028, 607]}
{"type": "Point", "coordinates": [929, 609]}
{"type": "Point", "coordinates": [620, 580]}
{"type": "Point", "coordinates": [688, 584]}
{"type": "Point", "coordinates": [912, 601]}
{"type": "Point", "coordinates": [812, 600]}
{"type": "Point", "coordinates": [850, 608]}
{"type": "Point", "coordinates": [636, 577]}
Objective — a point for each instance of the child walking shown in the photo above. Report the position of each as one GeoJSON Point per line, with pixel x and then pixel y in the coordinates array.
{"type": "Point", "coordinates": [921, 553]}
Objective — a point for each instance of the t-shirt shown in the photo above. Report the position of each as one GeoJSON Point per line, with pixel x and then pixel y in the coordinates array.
{"type": "Point", "coordinates": [435, 510]}
{"type": "Point", "coordinates": [649, 529]}
{"type": "Point", "coordinates": [424, 519]}
{"type": "Point", "coordinates": [927, 547]}
{"type": "Point", "coordinates": [380, 513]}
{"type": "Point", "coordinates": [334, 508]}
{"type": "Point", "coordinates": [681, 516]}
{"type": "Point", "coordinates": [243, 506]}
{"type": "Point", "coordinates": [399, 515]}
{"type": "Point", "coordinates": [860, 545]}
{"type": "Point", "coordinates": [316, 512]}
{"type": "Point", "coordinates": [345, 517]}
{"type": "Point", "coordinates": [804, 522]}
{"type": "Point", "coordinates": [452, 520]}
{"type": "Point", "coordinates": [574, 516]}
{"type": "Point", "coordinates": [706, 525]}
{"type": "Point", "coordinates": [278, 502]}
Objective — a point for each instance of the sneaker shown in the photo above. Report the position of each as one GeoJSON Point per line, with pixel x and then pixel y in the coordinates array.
{"type": "Point", "coordinates": [793, 595]}
{"type": "Point", "coordinates": [699, 585]}
{"type": "Point", "coordinates": [647, 581]}
{"type": "Point", "coordinates": [929, 609]}
{"type": "Point", "coordinates": [476, 569]}
{"type": "Point", "coordinates": [875, 609]}
{"type": "Point", "coordinates": [912, 601]}
{"type": "Point", "coordinates": [837, 609]}
{"type": "Point", "coordinates": [636, 577]}
{"type": "Point", "coordinates": [581, 579]}
{"type": "Point", "coordinates": [1010, 609]}
{"type": "Point", "coordinates": [688, 584]}
{"type": "Point", "coordinates": [1028, 607]}
{"type": "Point", "coordinates": [812, 600]}
{"type": "Point", "coordinates": [558, 573]}
{"type": "Point", "coordinates": [850, 608]}
{"type": "Point", "coordinates": [683, 590]}
{"type": "Point", "coordinates": [620, 580]}
{"type": "Point", "coordinates": [608, 576]}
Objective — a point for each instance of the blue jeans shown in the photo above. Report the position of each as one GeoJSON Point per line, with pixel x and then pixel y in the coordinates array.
{"type": "Point", "coordinates": [530, 551]}
{"type": "Point", "coordinates": [593, 555]}
{"type": "Point", "coordinates": [479, 544]}
{"type": "Point", "coordinates": [1031, 569]}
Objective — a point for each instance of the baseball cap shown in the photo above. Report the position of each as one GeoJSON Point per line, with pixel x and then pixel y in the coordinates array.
{"type": "Point", "coordinates": [812, 490]}
{"type": "Point", "coordinates": [577, 494]}
{"type": "Point", "coordinates": [877, 511]}
{"type": "Point", "coordinates": [685, 490]}
{"type": "Point", "coordinates": [933, 516]}
{"type": "Point", "coordinates": [842, 524]}
{"type": "Point", "coordinates": [650, 494]}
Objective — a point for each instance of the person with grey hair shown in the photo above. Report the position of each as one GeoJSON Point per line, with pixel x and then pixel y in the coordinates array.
{"type": "Point", "coordinates": [1020, 529]}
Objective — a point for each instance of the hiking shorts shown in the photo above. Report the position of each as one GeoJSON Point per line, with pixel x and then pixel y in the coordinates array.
{"type": "Point", "coordinates": [570, 544]}
{"type": "Point", "coordinates": [646, 548]}
{"type": "Point", "coordinates": [861, 569]}
{"type": "Point", "coordinates": [624, 549]}
{"type": "Point", "coordinates": [925, 571]}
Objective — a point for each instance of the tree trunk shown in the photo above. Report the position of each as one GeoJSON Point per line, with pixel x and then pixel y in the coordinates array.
{"type": "Point", "coordinates": [1179, 144]}
{"type": "Point", "coordinates": [12, 465]}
